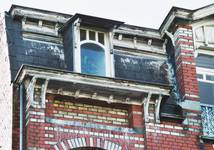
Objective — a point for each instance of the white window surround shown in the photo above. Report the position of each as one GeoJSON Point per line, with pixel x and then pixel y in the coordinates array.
{"type": "Point", "coordinates": [207, 109]}
{"type": "Point", "coordinates": [204, 72]}
{"type": "Point", "coordinates": [109, 65]}
{"type": "Point", "coordinates": [204, 24]}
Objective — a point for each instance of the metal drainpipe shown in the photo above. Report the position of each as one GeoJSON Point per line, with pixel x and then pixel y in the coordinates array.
{"type": "Point", "coordinates": [170, 36]}
{"type": "Point", "coordinates": [21, 117]}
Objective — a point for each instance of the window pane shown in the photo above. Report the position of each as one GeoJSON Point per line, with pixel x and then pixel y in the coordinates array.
{"type": "Point", "coordinates": [82, 35]}
{"type": "Point", "coordinates": [210, 77]}
{"type": "Point", "coordinates": [210, 34]}
{"type": "Point", "coordinates": [101, 38]}
{"type": "Point", "coordinates": [92, 35]}
{"type": "Point", "coordinates": [206, 92]}
{"type": "Point", "coordinates": [92, 59]}
{"type": "Point", "coordinates": [199, 34]}
{"type": "Point", "coordinates": [200, 76]}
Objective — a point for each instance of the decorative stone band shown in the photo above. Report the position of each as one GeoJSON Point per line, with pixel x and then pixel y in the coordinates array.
{"type": "Point", "coordinates": [87, 142]}
{"type": "Point", "coordinates": [89, 125]}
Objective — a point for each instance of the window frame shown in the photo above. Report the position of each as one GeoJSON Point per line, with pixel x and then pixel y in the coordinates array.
{"type": "Point", "coordinates": [109, 65]}
{"type": "Point", "coordinates": [204, 24]}
{"type": "Point", "coordinates": [204, 72]}
{"type": "Point", "coordinates": [206, 125]}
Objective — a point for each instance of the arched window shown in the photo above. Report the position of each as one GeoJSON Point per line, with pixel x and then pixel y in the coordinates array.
{"type": "Point", "coordinates": [93, 59]}
{"type": "Point", "coordinates": [92, 53]}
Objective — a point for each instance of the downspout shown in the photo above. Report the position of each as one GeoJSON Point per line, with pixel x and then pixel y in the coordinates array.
{"type": "Point", "coordinates": [175, 89]}
{"type": "Point", "coordinates": [170, 36]}
{"type": "Point", "coordinates": [21, 117]}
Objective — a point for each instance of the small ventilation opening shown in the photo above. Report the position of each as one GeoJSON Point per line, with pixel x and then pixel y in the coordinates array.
{"type": "Point", "coordinates": [32, 21]}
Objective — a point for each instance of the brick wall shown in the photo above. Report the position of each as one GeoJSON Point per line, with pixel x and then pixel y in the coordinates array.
{"type": "Point", "coordinates": [68, 122]}
{"type": "Point", "coordinates": [88, 113]}
{"type": "Point", "coordinates": [170, 133]}
{"type": "Point", "coordinates": [185, 63]}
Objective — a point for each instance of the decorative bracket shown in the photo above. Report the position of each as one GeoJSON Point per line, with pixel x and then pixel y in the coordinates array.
{"type": "Point", "coordinates": [30, 90]}
{"type": "Point", "coordinates": [146, 106]}
{"type": "Point", "coordinates": [157, 109]}
{"type": "Point", "coordinates": [43, 93]}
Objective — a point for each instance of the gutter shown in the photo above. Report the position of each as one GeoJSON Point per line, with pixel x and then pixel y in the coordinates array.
{"type": "Point", "coordinates": [21, 139]}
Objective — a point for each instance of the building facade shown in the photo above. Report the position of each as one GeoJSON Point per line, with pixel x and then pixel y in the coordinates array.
{"type": "Point", "coordinates": [82, 82]}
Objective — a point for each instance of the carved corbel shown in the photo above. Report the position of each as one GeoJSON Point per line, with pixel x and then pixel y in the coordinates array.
{"type": "Point", "coordinates": [30, 90]}
{"type": "Point", "coordinates": [43, 93]}
{"type": "Point", "coordinates": [157, 109]}
{"type": "Point", "coordinates": [146, 106]}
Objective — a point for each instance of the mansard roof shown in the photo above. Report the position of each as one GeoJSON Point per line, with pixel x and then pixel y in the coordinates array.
{"type": "Point", "coordinates": [174, 13]}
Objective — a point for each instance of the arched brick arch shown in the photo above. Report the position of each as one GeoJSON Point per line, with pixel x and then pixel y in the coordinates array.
{"type": "Point", "coordinates": [87, 142]}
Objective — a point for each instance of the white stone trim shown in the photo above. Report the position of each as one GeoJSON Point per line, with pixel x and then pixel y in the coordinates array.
{"type": "Point", "coordinates": [81, 142]}
{"type": "Point", "coordinates": [106, 47]}
{"type": "Point", "coordinates": [191, 105]}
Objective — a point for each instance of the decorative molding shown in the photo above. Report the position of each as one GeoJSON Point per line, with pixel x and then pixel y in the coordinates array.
{"type": "Point", "coordinates": [89, 125]}
{"type": "Point", "coordinates": [83, 142]}
{"type": "Point", "coordinates": [146, 106]}
{"type": "Point", "coordinates": [157, 109]}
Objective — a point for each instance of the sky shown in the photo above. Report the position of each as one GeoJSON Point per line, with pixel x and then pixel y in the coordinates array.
{"type": "Point", "coordinates": [145, 13]}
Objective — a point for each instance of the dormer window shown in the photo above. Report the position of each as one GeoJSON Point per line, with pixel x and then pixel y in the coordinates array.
{"type": "Point", "coordinates": [91, 38]}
